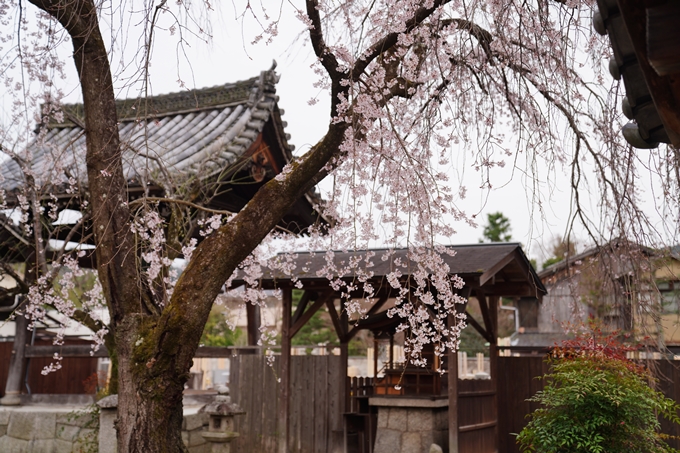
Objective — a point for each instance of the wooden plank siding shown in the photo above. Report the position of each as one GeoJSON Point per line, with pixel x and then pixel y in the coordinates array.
{"type": "Point", "coordinates": [70, 379]}
{"type": "Point", "coordinates": [315, 403]}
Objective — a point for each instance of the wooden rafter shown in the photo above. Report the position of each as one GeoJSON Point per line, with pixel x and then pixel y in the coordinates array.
{"type": "Point", "coordinates": [478, 327]}
{"type": "Point", "coordinates": [307, 315]}
{"type": "Point", "coordinates": [336, 320]}
{"type": "Point", "coordinates": [374, 309]}
{"type": "Point", "coordinates": [493, 270]}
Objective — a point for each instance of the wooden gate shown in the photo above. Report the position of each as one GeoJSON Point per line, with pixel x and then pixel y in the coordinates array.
{"type": "Point", "coordinates": [316, 404]}
{"type": "Point", "coordinates": [477, 416]}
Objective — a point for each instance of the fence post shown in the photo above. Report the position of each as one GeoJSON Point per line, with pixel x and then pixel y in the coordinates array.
{"type": "Point", "coordinates": [284, 394]}
{"type": "Point", "coordinates": [453, 394]}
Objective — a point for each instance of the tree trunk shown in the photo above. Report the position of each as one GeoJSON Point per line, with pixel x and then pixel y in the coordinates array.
{"type": "Point", "coordinates": [149, 404]}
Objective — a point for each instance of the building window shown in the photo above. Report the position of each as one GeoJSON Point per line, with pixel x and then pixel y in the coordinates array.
{"type": "Point", "coordinates": [670, 296]}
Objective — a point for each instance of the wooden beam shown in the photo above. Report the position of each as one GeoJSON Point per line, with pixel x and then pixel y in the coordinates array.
{"type": "Point", "coordinates": [473, 322]}
{"type": "Point", "coordinates": [254, 320]}
{"type": "Point", "coordinates": [374, 309]}
{"type": "Point", "coordinates": [452, 360]}
{"type": "Point", "coordinates": [477, 426]}
{"type": "Point", "coordinates": [493, 270]}
{"type": "Point", "coordinates": [336, 320]}
{"type": "Point", "coordinates": [493, 316]}
{"type": "Point", "coordinates": [67, 350]}
{"type": "Point", "coordinates": [512, 289]}
{"type": "Point", "coordinates": [307, 315]}
{"type": "Point", "coordinates": [306, 296]}
{"type": "Point", "coordinates": [488, 325]}
{"type": "Point", "coordinates": [284, 394]}
{"type": "Point", "coordinates": [493, 360]}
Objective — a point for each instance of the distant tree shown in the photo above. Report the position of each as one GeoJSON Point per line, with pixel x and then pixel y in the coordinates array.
{"type": "Point", "coordinates": [497, 228]}
{"type": "Point", "coordinates": [318, 330]}
{"type": "Point", "coordinates": [218, 332]}
{"type": "Point", "coordinates": [561, 248]}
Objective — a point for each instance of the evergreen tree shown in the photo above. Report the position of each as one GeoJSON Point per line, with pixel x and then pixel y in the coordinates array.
{"type": "Point", "coordinates": [497, 228]}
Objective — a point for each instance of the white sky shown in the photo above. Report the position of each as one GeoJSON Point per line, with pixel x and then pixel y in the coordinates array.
{"type": "Point", "coordinates": [230, 57]}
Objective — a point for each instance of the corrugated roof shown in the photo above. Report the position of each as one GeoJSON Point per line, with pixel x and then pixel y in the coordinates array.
{"type": "Point", "coordinates": [196, 132]}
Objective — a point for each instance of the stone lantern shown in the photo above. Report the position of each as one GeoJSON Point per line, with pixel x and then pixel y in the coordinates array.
{"type": "Point", "coordinates": [221, 414]}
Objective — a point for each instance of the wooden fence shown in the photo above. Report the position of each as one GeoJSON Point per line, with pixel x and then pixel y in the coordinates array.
{"type": "Point", "coordinates": [77, 374]}
{"type": "Point", "coordinates": [518, 382]}
{"type": "Point", "coordinates": [317, 403]}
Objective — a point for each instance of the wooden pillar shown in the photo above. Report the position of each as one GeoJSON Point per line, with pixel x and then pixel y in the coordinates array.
{"type": "Point", "coordinates": [16, 363]}
{"type": "Point", "coordinates": [375, 357]}
{"type": "Point", "coordinates": [452, 359]}
{"type": "Point", "coordinates": [254, 321]}
{"type": "Point", "coordinates": [284, 394]}
{"type": "Point", "coordinates": [392, 351]}
{"type": "Point", "coordinates": [493, 358]}
{"type": "Point", "coordinates": [344, 354]}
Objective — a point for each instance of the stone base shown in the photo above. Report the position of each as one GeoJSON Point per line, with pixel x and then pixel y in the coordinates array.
{"type": "Point", "coordinates": [409, 425]}
{"type": "Point", "coordinates": [11, 399]}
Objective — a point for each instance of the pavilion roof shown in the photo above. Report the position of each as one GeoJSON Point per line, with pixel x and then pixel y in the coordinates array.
{"type": "Point", "coordinates": [498, 268]}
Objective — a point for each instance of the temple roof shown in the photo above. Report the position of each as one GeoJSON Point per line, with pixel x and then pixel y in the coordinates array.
{"type": "Point", "coordinates": [195, 132]}
{"type": "Point", "coordinates": [645, 40]}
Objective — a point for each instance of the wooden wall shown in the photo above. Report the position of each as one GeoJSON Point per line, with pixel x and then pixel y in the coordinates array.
{"type": "Point", "coordinates": [316, 403]}
{"type": "Point", "coordinates": [518, 382]}
{"type": "Point", "coordinates": [71, 378]}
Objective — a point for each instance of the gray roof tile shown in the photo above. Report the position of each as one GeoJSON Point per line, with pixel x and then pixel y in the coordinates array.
{"type": "Point", "coordinates": [193, 131]}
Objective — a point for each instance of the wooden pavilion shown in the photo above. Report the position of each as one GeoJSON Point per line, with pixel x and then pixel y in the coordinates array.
{"type": "Point", "coordinates": [490, 271]}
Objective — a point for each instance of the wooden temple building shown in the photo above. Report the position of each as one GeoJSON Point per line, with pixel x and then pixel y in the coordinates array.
{"type": "Point", "coordinates": [433, 407]}
{"type": "Point", "coordinates": [211, 148]}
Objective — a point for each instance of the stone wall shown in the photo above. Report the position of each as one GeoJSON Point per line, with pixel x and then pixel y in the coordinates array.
{"type": "Point", "coordinates": [46, 429]}
{"type": "Point", "coordinates": [68, 429]}
{"type": "Point", "coordinates": [411, 429]}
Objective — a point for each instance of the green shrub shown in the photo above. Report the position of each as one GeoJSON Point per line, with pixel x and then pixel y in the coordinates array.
{"type": "Point", "coordinates": [597, 401]}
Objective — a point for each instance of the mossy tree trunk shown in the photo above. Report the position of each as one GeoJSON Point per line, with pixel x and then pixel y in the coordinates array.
{"type": "Point", "coordinates": [155, 346]}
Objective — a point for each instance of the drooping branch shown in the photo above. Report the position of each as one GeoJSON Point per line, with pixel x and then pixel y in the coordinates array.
{"type": "Point", "coordinates": [391, 39]}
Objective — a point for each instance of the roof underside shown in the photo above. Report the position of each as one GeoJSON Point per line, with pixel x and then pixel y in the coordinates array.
{"type": "Point", "coordinates": [645, 40]}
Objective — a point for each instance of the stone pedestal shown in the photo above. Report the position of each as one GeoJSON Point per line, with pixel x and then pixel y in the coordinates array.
{"type": "Point", "coordinates": [108, 412]}
{"type": "Point", "coordinates": [410, 425]}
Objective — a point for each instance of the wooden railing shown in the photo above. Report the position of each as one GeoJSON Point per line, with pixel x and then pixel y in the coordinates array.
{"type": "Point", "coordinates": [358, 390]}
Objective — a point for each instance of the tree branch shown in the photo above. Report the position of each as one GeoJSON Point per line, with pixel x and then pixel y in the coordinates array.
{"type": "Point", "coordinates": [391, 39]}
